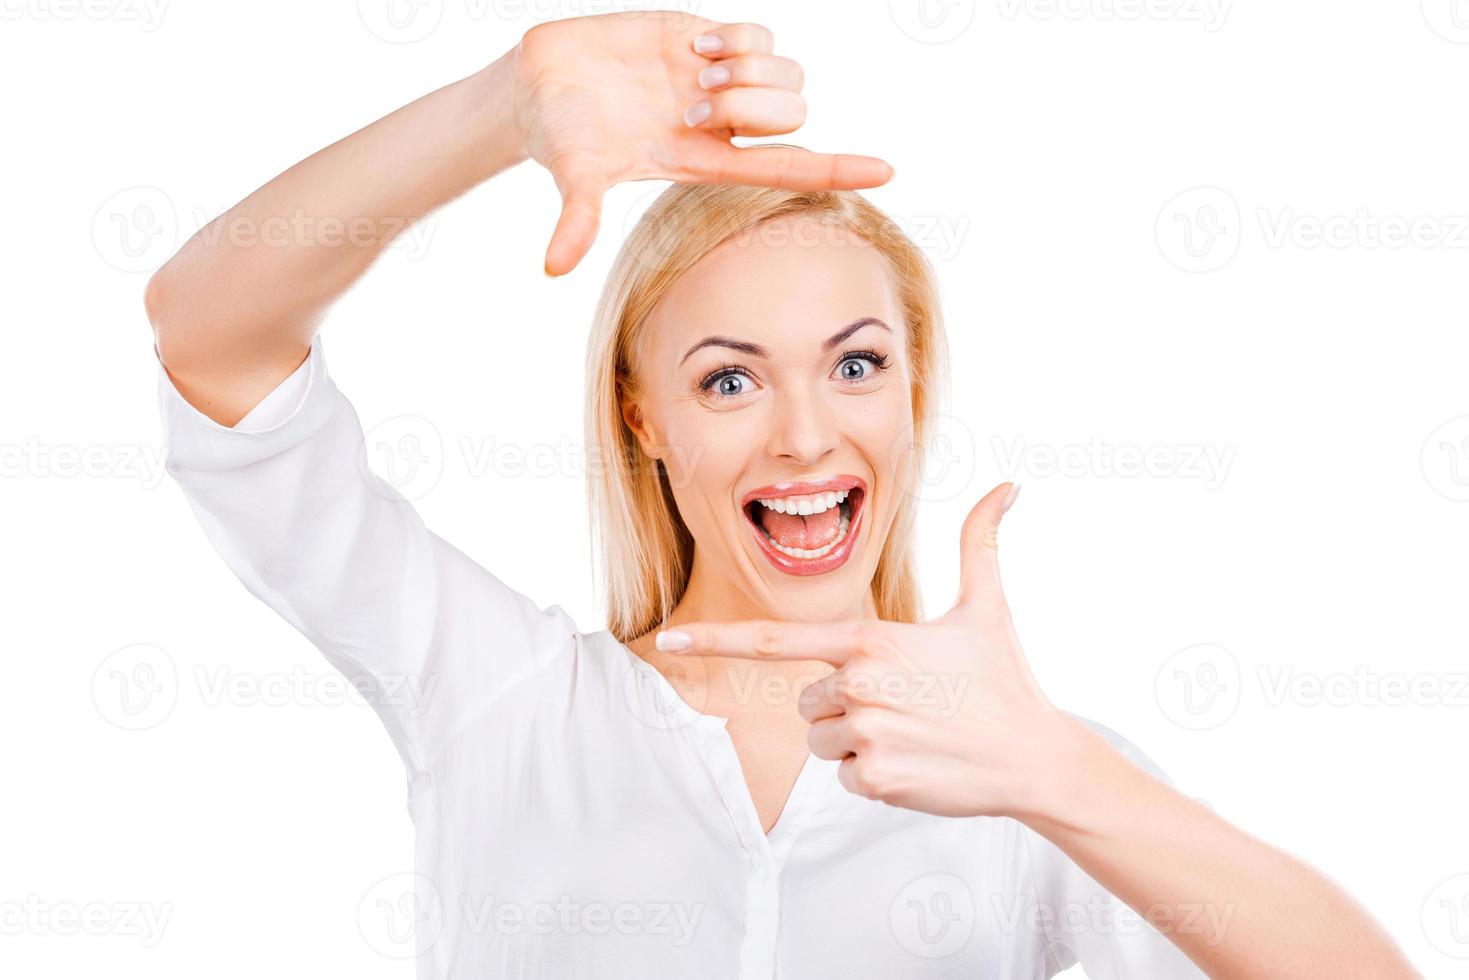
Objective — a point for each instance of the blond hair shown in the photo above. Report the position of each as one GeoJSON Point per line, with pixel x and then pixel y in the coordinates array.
{"type": "Point", "coordinates": [647, 550]}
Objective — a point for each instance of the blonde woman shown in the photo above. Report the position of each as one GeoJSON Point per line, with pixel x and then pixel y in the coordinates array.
{"type": "Point", "coordinates": [835, 786]}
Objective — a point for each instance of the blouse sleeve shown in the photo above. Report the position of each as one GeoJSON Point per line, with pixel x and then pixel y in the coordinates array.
{"type": "Point", "coordinates": [1086, 924]}
{"type": "Point", "coordinates": [287, 499]}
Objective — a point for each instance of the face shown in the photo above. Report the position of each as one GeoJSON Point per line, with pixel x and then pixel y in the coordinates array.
{"type": "Point", "coordinates": [776, 390]}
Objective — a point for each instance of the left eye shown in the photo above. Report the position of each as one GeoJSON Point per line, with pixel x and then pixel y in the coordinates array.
{"type": "Point", "coordinates": [860, 366]}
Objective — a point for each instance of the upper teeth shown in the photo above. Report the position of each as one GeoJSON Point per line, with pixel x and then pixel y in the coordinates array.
{"type": "Point", "coordinates": [808, 504]}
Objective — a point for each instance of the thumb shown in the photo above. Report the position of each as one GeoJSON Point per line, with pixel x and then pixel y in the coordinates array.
{"type": "Point", "coordinates": [979, 566]}
{"type": "Point", "coordinates": [581, 215]}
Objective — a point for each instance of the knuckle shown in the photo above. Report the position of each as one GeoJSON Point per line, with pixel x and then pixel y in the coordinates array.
{"type": "Point", "coordinates": [866, 777]}
{"type": "Point", "coordinates": [860, 727]}
{"type": "Point", "coordinates": [768, 639]}
{"type": "Point", "coordinates": [759, 36]}
{"type": "Point", "coordinates": [798, 109]}
{"type": "Point", "coordinates": [811, 699]}
{"type": "Point", "coordinates": [873, 643]}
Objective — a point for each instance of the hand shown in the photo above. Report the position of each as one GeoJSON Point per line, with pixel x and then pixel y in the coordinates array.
{"type": "Point", "coordinates": [942, 716]}
{"type": "Point", "coordinates": [619, 97]}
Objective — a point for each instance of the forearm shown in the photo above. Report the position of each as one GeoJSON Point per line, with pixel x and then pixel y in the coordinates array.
{"type": "Point", "coordinates": [235, 309]}
{"type": "Point", "coordinates": [1236, 906]}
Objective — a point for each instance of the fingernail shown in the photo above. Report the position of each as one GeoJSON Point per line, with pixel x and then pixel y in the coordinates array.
{"type": "Point", "coordinates": [708, 43]}
{"type": "Point", "coordinates": [713, 75]}
{"type": "Point", "coordinates": [673, 641]}
{"type": "Point", "coordinates": [697, 113]}
{"type": "Point", "coordinates": [1010, 497]}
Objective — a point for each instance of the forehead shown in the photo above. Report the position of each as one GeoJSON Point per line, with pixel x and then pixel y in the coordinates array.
{"type": "Point", "coordinates": [788, 279]}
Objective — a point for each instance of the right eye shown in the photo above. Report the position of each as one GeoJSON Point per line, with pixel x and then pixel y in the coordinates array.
{"type": "Point", "coordinates": [730, 381]}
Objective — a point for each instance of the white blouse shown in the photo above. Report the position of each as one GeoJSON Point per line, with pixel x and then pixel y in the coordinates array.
{"type": "Point", "coordinates": [574, 817]}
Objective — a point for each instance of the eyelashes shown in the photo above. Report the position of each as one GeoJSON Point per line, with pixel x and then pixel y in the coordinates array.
{"type": "Point", "coordinates": [878, 361]}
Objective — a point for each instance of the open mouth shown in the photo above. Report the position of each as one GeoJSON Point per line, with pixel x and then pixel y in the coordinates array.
{"type": "Point", "coordinates": [806, 528]}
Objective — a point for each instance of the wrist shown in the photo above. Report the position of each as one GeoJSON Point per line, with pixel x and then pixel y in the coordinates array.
{"type": "Point", "coordinates": [495, 112]}
{"type": "Point", "coordinates": [1068, 772]}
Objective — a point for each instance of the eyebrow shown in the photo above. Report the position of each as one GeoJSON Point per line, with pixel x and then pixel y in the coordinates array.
{"type": "Point", "coordinates": [755, 350]}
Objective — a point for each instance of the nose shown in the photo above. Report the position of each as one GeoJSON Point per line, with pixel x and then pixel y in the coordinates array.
{"type": "Point", "coordinates": [803, 429]}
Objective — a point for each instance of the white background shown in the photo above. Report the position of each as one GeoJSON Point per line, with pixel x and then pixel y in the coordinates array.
{"type": "Point", "coordinates": [1277, 320]}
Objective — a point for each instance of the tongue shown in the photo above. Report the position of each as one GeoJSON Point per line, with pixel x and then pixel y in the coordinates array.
{"type": "Point", "coordinates": [795, 531]}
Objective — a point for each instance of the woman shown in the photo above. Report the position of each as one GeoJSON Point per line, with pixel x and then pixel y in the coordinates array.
{"type": "Point", "coordinates": [835, 788]}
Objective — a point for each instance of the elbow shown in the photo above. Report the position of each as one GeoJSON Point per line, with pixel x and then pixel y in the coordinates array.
{"type": "Point", "coordinates": [155, 299]}
{"type": "Point", "coordinates": [161, 306]}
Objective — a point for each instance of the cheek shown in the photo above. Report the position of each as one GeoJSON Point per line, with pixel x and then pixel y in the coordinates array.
{"type": "Point", "coordinates": [707, 451]}
{"type": "Point", "coordinates": [881, 426]}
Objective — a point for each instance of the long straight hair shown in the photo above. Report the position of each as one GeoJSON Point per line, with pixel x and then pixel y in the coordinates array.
{"type": "Point", "coordinates": [646, 549]}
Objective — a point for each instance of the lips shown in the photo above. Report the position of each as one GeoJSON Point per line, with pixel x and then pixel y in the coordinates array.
{"type": "Point", "coordinates": [796, 499]}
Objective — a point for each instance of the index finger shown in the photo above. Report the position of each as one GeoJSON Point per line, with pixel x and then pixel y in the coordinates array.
{"type": "Point", "coordinates": [764, 639]}
{"type": "Point", "coordinates": [781, 165]}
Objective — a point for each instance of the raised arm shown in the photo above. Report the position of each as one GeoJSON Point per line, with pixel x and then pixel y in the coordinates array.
{"type": "Point", "coordinates": [596, 100]}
